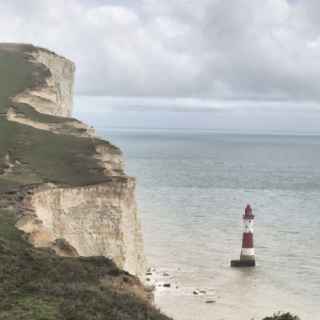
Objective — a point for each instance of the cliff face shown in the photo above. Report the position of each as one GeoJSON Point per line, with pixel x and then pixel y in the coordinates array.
{"type": "Point", "coordinates": [55, 97]}
{"type": "Point", "coordinates": [64, 198]}
{"type": "Point", "coordinates": [37, 284]}
{"type": "Point", "coordinates": [95, 220]}
{"type": "Point", "coordinates": [91, 212]}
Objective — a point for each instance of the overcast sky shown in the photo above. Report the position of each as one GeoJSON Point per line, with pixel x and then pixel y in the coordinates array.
{"type": "Point", "coordinates": [230, 51]}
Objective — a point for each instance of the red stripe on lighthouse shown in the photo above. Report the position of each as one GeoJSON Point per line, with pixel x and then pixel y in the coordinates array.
{"type": "Point", "coordinates": [247, 240]}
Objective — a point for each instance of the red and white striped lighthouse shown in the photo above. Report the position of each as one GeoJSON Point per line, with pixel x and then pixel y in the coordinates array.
{"type": "Point", "coordinates": [247, 256]}
{"type": "Point", "coordinates": [247, 250]}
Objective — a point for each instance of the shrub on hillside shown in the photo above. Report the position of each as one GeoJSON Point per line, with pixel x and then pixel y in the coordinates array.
{"type": "Point", "coordinates": [282, 316]}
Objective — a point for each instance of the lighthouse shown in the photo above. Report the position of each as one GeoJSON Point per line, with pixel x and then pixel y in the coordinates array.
{"type": "Point", "coordinates": [247, 255]}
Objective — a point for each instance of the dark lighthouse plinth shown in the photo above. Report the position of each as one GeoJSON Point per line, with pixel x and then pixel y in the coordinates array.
{"type": "Point", "coordinates": [247, 256]}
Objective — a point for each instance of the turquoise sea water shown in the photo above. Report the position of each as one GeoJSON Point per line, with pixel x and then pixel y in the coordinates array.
{"type": "Point", "coordinates": [192, 189]}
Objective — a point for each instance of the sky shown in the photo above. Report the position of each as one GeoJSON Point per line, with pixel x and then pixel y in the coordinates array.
{"type": "Point", "coordinates": [181, 55]}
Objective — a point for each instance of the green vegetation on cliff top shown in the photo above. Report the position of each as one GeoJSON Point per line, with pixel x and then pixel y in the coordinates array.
{"type": "Point", "coordinates": [40, 156]}
{"type": "Point", "coordinates": [35, 283]}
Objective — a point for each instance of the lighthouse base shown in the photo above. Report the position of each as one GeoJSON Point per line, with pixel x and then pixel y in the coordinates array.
{"type": "Point", "coordinates": [242, 263]}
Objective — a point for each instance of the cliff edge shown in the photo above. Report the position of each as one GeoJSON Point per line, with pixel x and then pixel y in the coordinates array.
{"type": "Point", "coordinates": [63, 192]}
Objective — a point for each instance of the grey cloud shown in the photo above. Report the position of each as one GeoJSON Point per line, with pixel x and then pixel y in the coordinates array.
{"type": "Point", "coordinates": [227, 50]}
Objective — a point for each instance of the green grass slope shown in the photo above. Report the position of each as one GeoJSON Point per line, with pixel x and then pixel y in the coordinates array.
{"type": "Point", "coordinates": [42, 156]}
{"type": "Point", "coordinates": [35, 283]}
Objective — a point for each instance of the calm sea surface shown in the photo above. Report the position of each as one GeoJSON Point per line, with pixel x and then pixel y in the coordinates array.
{"type": "Point", "coordinates": [192, 189]}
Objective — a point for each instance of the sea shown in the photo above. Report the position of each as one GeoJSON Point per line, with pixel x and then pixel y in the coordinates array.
{"type": "Point", "coordinates": [192, 188]}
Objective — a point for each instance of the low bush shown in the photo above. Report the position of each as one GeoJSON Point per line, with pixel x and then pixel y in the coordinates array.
{"type": "Point", "coordinates": [282, 316]}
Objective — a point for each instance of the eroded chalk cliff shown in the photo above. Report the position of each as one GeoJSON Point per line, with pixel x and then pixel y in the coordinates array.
{"type": "Point", "coordinates": [79, 200]}
{"type": "Point", "coordinates": [64, 199]}
{"type": "Point", "coordinates": [55, 95]}
{"type": "Point", "coordinates": [95, 220]}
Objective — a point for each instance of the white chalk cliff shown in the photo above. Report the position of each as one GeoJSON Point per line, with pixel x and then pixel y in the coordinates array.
{"type": "Point", "coordinates": [86, 220]}
{"type": "Point", "coordinates": [55, 98]}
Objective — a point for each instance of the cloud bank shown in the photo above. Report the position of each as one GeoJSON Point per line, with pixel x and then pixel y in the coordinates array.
{"type": "Point", "coordinates": [230, 50]}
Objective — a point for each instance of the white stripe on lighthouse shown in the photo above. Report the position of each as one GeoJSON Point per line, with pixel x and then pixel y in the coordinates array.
{"type": "Point", "coordinates": [247, 252]}
{"type": "Point", "coordinates": [248, 226]}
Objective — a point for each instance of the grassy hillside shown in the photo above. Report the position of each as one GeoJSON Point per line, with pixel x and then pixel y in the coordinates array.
{"type": "Point", "coordinates": [35, 283]}
{"type": "Point", "coordinates": [40, 156]}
